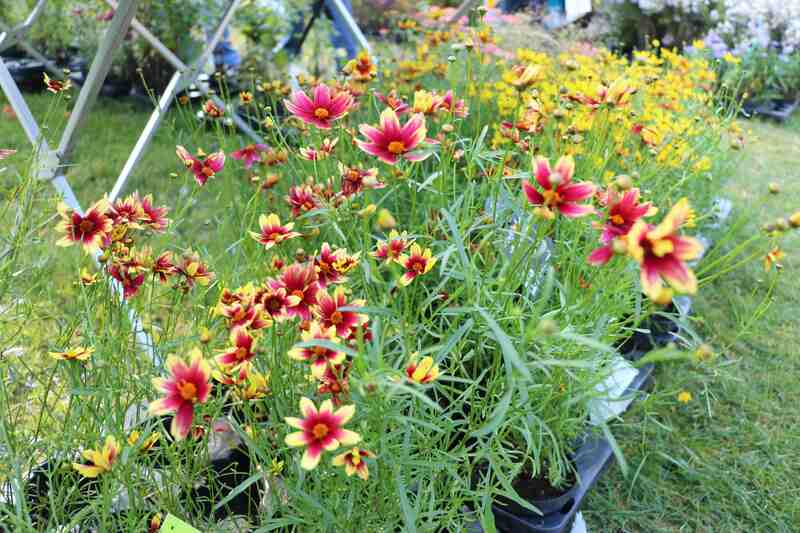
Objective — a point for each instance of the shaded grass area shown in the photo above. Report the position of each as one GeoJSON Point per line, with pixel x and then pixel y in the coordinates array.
{"type": "Point", "coordinates": [726, 461]}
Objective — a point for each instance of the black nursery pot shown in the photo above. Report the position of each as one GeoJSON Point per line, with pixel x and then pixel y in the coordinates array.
{"type": "Point", "coordinates": [662, 331]}
{"type": "Point", "coordinates": [776, 109]}
{"type": "Point", "coordinates": [559, 511]}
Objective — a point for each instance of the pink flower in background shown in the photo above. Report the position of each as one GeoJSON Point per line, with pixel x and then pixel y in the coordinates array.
{"type": "Point", "coordinates": [326, 107]}
{"type": "Point", "coordinates": [250, 154]}
{"type": "Point", "coordinates": [204, 168]}
{"type": "Point", "coordinates": [391, 140]}
{"type": "Point", "coordinates": [622, 213]}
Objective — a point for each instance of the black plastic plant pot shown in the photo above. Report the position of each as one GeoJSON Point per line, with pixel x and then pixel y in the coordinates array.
{"type": "Point", "coordinates": [778, 109]}
{"type": "Point", "coordinates": [591, 460]}
{"type": "Point", "coordinates": [661, 331]}
{"type": "Point", "coordinates": [558, 513]}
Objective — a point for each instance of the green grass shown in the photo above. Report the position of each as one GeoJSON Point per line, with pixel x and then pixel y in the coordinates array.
{"type": "Point", "coordinates": [726, 461]}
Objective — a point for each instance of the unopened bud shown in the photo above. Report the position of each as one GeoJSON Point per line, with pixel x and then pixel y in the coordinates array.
{"type": "Point", "coordinates": [704, 352]}
{"type": "Point", "coordinates": [794, 220]}
{"type": "Point", "coordinates": [548, 327]}
{"type": "Point", "coordinates": [300, 255]}
{"type": "Point", "coordinates": [624, 182]}
{"type": "Point", "coordinates": [620, 246]}
{"type": "Point", "coordinates": [447, 128]}
{"type": "Point", "coordinates": [205, 335]}
{"type": "Point", "coordinates": [368, 210]}
{"type": "Point", "coordinates": [774, 188]}
{"type": "Point", "coordinates": [782, 224]}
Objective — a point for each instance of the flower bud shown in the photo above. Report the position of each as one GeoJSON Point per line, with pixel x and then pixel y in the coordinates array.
{"type": "Point", "coordinates": [782, 224]}
{"type": "Point", "coordinates": [548, 327]}
{"type": "Point", "coordinates": [624, 182]}
{"type": "Point", "coordinates": [703, 352]}
{"type": "Point", "coordinates": [368, 211]}
{"type": "Point", "coordinates": [386, 220]}
{"type": "Point", "coordinates": [619, 246]}
{"type": "Point", "coordinates": [774, 188]}
{"type": "Point", "coordinates": [794, 220]}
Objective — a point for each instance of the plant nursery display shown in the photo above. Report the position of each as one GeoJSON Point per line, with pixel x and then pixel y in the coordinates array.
{"type": "Point", "coordinates": [419, 304]}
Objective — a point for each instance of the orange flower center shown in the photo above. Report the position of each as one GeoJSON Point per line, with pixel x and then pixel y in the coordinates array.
{"type": "Point", "coordinates": [208, 171]}
{"type": "Point", "coordinates": [321, 113]}
{"type": "Point", "coordinates": [241, 353]}
{"type": "Point", "coordinates": [86, 226]}
{"type": "Point", "coordinates": [397, 147]}
{"type": "Point", "coordinates": [418, 266]}
{"type": "Point", "coordinates": [188, 391]}
{"type": "Point", "coordinates": [551, 197]}
{"type": "Point", "coordinates": [618, 220]}
{"type": "Point", "coordinates": [319, 351]}
{"type": "Point", "coordinates": [299, 294]}
{"type": "Point", "coordinates": [319, 431]}
{"type": "Point", "coordinates": [336, 317]}
{"type": "Point", "coordinates": [275, 236]}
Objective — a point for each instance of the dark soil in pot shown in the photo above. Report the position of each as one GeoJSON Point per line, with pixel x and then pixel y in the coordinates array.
{"type": "Point", "coordinates": [661, 332]}
{"type": "Point", "coordinates": [542, 494]}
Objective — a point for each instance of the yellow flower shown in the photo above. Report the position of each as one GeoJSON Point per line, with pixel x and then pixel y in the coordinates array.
{"type": "Point", "coordinates": [684, 396]}
{"type": "Point", "coordinates": [423, 372]}
{"type": "Point", "coordinates": [773, 258]}
{"type": "Point", "coordinates": [78, 353]}
{"type": "Point", "coordinates": [386, 220]}
{"type": "Point", "coordinates": [101, 461]}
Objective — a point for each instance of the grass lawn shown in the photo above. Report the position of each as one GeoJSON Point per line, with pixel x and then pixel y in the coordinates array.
{"type": "Point", "coordinates": [727, 460]}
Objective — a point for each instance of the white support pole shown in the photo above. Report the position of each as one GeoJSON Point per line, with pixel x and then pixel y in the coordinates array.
{"type": "Point", "coordinates": [97, 74]}
{"type": "Point", "coordinates": [11, 36]}
{"type": "Point", "coordinates": [342, 11]}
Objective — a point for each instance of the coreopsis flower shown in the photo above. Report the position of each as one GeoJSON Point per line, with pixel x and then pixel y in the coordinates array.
{"type": "Point", "coordinates": [194, 270]}
{"type": "Point", "coordinates": [302, 199]}
{"type": "Point", "coordinates": [318, 154]}
{"type": "Point", "coordinates": [87, 278]}
{"type": "Point", "coordinates": [131, 277]}
{"type": "Point", "coordinates": [212, 110]}
{"type": "Point", "coordinates": [100, 461]}
{"type": "Point", "coordinates": [163, 267]}
{"type": "Point", "coordinates": [274, 157]}
{"type": "Point", "coordinates": [154, 526]}
{"type": "Point", "coordinates": [684, 396]}
{"type": "Point", "coordinates": [276, 301]}
{"type": "Point", "coordinates": [146, 444]}
{"type": "Point", "coordinates": [457, 107]}
{"type": "Point", "coordinates": [523, 76]}
{"type": "Point", "coordinates": [393, 101]}
{"type": "Point", "coordinates": [558, 190]}
{"type": "Point", "coordinates": [242, 350]}
{"type": "Point", "coordinates": [187, 386]}
{"type": "Point", "coordinates": [335, 381]}
{"type": "Point", "coordinates": [353, 462]}
{"type": "Point", "coordinates": [417, 263]}
{"type": "Point", "coordinates": [320, 429]}
{"type": "Point", "coordinates": [203, 169]}
{"type": "Point", "coordinates": [127, 211]}
{"type": "Point", "coordinates": [662, 253]}
{"type": "Point", "coordinates": [391, 249]}
{"type": "Point", "coordinates": [78, 353]}
{"type": "Point", "coordinates": [246, 313]}
{"type": "Point", "coordinates": [89, 229]}
{"type": "Point", "coordinates": [250, 154]}
{"type": "Point", "coordinates": [319, 357]}
{"type": "Point", "coordinates": [331, 266]}
{"type": "Point", "coordinates": [56, 86]}
{"type": "Point", "coordinates": [422, 372]}
{"type": "Point", "coordinates": [616, 95]}
{"type": "Point", "coordinates": [272, 231]}
{"type": "Point", "coordinates": [245, 97]}
{"type": "Point", "coordinates": [621, 214]}
{"type": "Point", "coordinates": [774, 257]}
{"type": "Point", "coordinates": [231, 375]}
{"type": "Point", "coordinates": [326, 107]}
{"type": "Point", "coordinates": [300, 281]}
{"type": "Point", "coordinates": [355, 180]}
{"type": "Point", "coordinates": [153, 217]}
{"type": "Point", "coordinates": [361, 68]}
{"type": "Point", "coordinates": [256, 386]}
{"type": "Point", "coordinates": [330, 314]}
{"type": "Point", "coordinates": [391, 140]}
{"type": "Point", "coordinates": [425, 102]}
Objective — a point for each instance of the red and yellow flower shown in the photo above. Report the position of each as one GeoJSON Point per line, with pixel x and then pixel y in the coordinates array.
{"type": "Point", "coordinates": [320, 430]}
{"type": "Point", "coordinates": [326, 107]}
{"type": "Point", "coordinates": [391, 140]}
{"type": "Point", "coordinates": [417, 263]}
{"type": "Point", "coordinates": [242, 350]}
{"type": "Point", "coordinates": [353, 462]}
{"type": "Point", "coordinates": [301, 281]}
{"type": "Point", "coordinates": [78, 353]}
{"type": "Point", "coordinates": [330, 314]}
{"type": "Point", "coordinates": [100, 461]}
{"type": "Point", "coordinates": [621, 214]}
{"type": "Point", "coordinates": [558, 191]}
{"type": "Point", "coordinates": [662, 253]}
{"type": "Point", "coordinates": [250, 154]}
{"type": "Point", "coordinates": [187, 386]}
{"type": "Point", "coordinates": [89, 230]}
{"type": "Point", "coordinates": [318, 356]}
{"type": "Point", "coordinates": [424, 371]}
{"type": "Point", "coordinates": [205, 168]}
{"type": "Point", "coordinates": [391, 250]}
{"type": "Point", "coordinates": [272, 231]}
